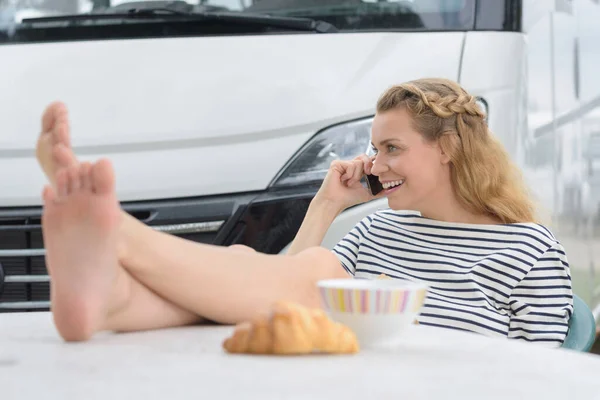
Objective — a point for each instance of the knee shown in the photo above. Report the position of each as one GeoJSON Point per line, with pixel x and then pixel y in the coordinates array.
{"type": "Point", "coordinates": [307, 268]}
{"type": "Point", "coordinates": [322, 263]}
{"type": "Point", "coordinates": [241, 247]}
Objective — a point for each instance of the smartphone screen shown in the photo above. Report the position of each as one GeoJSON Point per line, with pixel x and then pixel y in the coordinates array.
{"type": "Point", "coordinates": [374, 185]}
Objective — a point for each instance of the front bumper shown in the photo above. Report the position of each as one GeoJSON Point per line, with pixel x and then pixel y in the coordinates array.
{"type": "Point", "coordinates": [267, 221]}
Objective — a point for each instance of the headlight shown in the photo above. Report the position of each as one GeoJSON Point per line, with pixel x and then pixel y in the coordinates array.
{"type": "Point", "coordinates": [340, 142]}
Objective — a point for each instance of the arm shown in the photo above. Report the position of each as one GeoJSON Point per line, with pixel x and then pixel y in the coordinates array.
{"type": "Point", "coordinates": [542, 303]}
{"type": "Point", "coordinates": [348, 248]}
{"type": "Point", "coordinates": [341, 189]}
{"type": "Point", "coordinates": [318, 219]}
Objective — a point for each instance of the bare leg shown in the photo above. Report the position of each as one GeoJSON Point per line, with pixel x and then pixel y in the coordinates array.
{"type": "Point", "coordinates": [151, 311]}
{"type": "Point", "coordinates": [91, 292]}
{"type": "Point", "coordinates": [224, 285]}
{"type": "Point", "coordinates": [155, 270]}
{"type": "Point", "coordinates": [89, 289]}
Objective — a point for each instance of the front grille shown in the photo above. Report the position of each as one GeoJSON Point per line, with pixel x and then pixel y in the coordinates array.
{"type": "Point", "coordinates": [26, 282]}
{"type": "Point", "coordinates": [266, 221]}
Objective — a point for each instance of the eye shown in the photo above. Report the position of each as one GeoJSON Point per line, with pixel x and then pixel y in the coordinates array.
{"type": "Point", "coordinates": [373, 150]}
{"type": "Point", "coordinates": [391, 148]}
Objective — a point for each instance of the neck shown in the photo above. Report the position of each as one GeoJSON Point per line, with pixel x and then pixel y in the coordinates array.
{"type": "Point", "coordinates": [451, 209]}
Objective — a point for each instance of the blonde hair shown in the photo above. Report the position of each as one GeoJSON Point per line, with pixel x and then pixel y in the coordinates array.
{"type": "Point", "coordinates": [483, 176]}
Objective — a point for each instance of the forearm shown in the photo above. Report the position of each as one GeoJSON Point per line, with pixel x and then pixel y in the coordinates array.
{"type": "Point", "coordinates": [318, 219]}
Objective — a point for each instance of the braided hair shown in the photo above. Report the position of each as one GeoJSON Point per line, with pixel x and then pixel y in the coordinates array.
{"type": "Point", "coordinates": [483, 176]}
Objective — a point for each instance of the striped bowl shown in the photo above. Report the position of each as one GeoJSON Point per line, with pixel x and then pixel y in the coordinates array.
{"type": "Point", "coordinates": [376, 310]}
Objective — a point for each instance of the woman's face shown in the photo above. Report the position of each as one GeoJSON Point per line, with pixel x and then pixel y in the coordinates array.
{"type": "Point", "coordinates": [415, 173]}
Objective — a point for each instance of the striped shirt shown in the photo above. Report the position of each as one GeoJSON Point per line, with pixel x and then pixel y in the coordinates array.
{"type": "Point", "coordinates": [509, 280]}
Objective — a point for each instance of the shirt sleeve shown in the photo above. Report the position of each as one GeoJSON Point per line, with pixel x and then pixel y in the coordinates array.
{"type": "Point", "coordinates": [542, 303]}
{"type": "Point", "coordinates": [347, 248]}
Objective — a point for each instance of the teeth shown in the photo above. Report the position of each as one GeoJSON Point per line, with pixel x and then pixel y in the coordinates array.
{"type": "Point", "coordinates": [388, 185]}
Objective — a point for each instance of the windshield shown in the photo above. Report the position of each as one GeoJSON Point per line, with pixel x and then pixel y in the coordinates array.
{"type": "Point", "coordinates": [346, 15]}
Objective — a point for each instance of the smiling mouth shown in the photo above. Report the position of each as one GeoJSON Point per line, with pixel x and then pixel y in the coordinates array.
{"type": "Point", "coordinates": [393, 184]}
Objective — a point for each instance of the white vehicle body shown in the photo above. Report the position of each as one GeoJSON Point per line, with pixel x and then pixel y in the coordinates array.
{"type": "Point", "coordinates": [202, 129]}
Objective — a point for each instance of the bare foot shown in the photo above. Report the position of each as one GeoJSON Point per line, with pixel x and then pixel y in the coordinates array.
{"type": "Point", "coordinates": [80, 227]}
{"type": "Point", "coordinates": [53, 148]}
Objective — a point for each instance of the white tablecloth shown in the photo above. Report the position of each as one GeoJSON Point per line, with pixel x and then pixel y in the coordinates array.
{"type": "Point", "coordinates": [190, 363]}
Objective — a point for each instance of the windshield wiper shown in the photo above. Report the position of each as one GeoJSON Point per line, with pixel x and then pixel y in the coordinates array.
{"type": "Point", "coordinates": [167, 12]}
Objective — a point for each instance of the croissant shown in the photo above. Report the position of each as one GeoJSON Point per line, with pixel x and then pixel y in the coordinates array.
{"type": "Point", "coordinates": [292, 329]}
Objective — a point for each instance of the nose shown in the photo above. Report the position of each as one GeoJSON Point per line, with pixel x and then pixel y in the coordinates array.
{"type": "Point", "coordinates": [378, 167]}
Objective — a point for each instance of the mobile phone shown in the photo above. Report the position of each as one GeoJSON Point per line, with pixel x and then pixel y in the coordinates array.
{"type": "Point", "coordinates": [373, 184]}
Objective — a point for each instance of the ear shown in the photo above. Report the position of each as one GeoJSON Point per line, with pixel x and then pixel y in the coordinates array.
{"type": "Point", "coordinates": [444, 158]}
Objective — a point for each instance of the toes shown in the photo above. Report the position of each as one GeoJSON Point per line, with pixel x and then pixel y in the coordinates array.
{"type": "Point", "coordinates": [85, 175]}
{"type": "Point", "coordinates": [74, 179]}
{"type": "Point", "coordinates": [63, 156]}
{"type": "Point", "coordinates": [62, 183]}
{"type": "Point", "coordinates": [48, 195]}
{"type": "Point", "coordinates": [103, 177]}
{"type": "Point", "coordinates": [60, 133]}
{"type": "Point", "coordinates": [51, 113]}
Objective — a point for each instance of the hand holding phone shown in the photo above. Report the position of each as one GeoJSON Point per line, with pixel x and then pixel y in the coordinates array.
{"type": "Point", "coordinates": [375, 187]}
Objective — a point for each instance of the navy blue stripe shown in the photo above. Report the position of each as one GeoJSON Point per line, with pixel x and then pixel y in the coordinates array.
{"type": "Point", "coordinates": [513, 320]}
{"type": "Point", "coordinates": [481, 239]}
{"type": "Point", "coordinates": [546, 259]}
{"type": "Point", "coordinates": [550, 235]}
{"type": "Point", "coordinates": [532, 332]}
{"type": "Point", "coordinates": [466, 321]}
{"type": "Point", "coordinates": [362, 225]}
{"type": "Point", "coordinates": [493, 250]}
{"type": "Point", "coordinates": [479, 258]}
{"type": "Point", "coordinates": [485, 299]}
{"type": "Point", "coordinates": [543, 230]}
{"type": "Point", "coordinates": [346, 268]}
{"type": "Point", "coordinates": [556, 305]}
{"type": "Point", "coordinates": [520, 308]}
{"type": "Point", "coordinates": [561, 252]}
{"type": "Point", "coordinates": [445, 296]}
{"type": "Point", "coordinates": [349, 261]}
{"type": "Point", "coordinates": [489, 278]}
{"type": "Point", "coordinates": [543, 278]}
{"type": "Point", "coordinates": [568, 287]}
{"type": "Point", "coordinates": [537, 339]}
{"type": "Point", "coordinates": [554, 250]}
{"type": "Point", "coordinates": [437, 280]}
{"type": "Point", "coordinates": [395, 214]}
{"type": "Point", "coordinates": [436, 262]}
{"type": "Point", "coordinates": [354, 253]}
{"type": "Point", "coordinates": [543, 296]}
{"type": "Point", "coordinates": [503, 323]}
{"type": "Point", "coordinates": [543, 314]}
{"type": "Point", "coordinates": [434, 296]}
{"type": "Point", "coordinates": [346, 240]}
{"type": "Point", "coordinates": [452, 246]}
{"type": "Point", "coordinates": [355, 236]}
{"type": "Point", "coordinates": [547, 269]}
{"type": "Point", "coordinates": [473, 230]}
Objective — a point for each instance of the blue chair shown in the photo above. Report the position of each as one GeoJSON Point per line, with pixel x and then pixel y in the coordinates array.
{"type": "Point", "coordinates": [582, 327]}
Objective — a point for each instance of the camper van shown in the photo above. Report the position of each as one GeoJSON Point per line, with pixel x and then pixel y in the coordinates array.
{"type": "Point", "coordinates": [222, 117]}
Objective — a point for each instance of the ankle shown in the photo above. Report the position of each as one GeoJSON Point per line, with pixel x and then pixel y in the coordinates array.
{"type": "Point", "coordinates": [120, 298]}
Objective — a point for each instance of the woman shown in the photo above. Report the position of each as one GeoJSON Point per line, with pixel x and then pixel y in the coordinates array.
{"type": "Point", "coordinates": [471, 236]}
